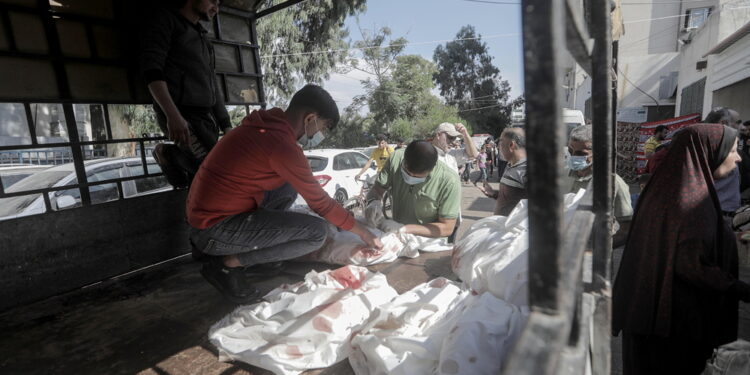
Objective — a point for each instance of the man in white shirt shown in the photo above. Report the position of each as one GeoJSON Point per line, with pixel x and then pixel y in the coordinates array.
{"type": "Point", "coordinates": [445, 134]}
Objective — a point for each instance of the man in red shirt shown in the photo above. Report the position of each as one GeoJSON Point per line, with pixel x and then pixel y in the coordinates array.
{"type": "Point", "coordinates": [237, 203]}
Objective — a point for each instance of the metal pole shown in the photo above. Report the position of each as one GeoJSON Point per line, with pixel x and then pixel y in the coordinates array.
{"type": "Point", "coordinates": [603, 130]}
{"type": "Point", "coordinates": [543, 40]}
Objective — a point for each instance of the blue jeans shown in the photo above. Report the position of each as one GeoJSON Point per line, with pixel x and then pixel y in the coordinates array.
{"type": "Point", "coordinates": [482, 175]}
{"type": "Point", "coordinates": [269, 234]}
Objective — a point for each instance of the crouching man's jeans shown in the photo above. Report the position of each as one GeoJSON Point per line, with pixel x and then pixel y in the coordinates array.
{"type": "Point", "coordinates": [269, 234]}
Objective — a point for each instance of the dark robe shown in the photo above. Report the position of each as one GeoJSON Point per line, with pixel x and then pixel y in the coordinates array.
{"type": "Point", "coordinates": [673, 298]}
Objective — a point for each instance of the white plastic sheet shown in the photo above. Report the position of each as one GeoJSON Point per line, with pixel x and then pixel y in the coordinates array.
{"type": "Point", "coordinates": [437, 328]}
{"type": "Point", "coordinates": [302, 326]}
{"type": "Point", "coordinates": [492, 256]}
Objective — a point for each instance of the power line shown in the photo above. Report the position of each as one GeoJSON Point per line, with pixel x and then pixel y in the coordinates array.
{"type": "Point", "coordinates": [639, 89]}
{"type": "Point", "coordinates": [494, 2]}
{"type": "Point", "coordinates": [476, 109]}
{"type": "Point", "coordinates": [392, 45]}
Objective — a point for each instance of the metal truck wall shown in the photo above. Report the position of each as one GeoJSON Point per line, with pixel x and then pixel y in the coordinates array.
{"type": "Point", "coordinates": [46, 255]}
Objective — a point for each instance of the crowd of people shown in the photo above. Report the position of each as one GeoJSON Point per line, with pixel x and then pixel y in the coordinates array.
{"type": "Point", "coordinates": [675, 297]}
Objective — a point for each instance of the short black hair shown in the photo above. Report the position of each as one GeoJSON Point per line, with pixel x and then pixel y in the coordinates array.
{"type": "Point", "coordinates": [660, 128]}
{"type": "Point", "coordinates": [381, 137]}
{"type": "Point", "coordinates": [420, 157]}
{"type": "Point", "coordinates": [401, 139]}
{"type": "Point", "coordinates": [313, 98]}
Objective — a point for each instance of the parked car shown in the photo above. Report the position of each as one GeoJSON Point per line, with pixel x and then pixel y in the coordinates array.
{"type": "Point", "coordinates": [96, 170]}
{"type": "Point", "coordinates": [335, 170]}
{"type": "Point", "coordinates": [12, 173]}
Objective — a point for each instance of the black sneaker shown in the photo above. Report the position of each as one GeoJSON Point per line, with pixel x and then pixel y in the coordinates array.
{"type": "Point", "coordinates": [176, 177]}
{"type": "Point", "coordinates": [265, 270]}
{"type": "Point", "coordinates": [231, 282]}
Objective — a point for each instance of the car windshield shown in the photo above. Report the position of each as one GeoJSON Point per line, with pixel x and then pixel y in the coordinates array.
{"type": "Point", "coordinates": [317, 164]}
{"type": "Point", "coordinates": [39, 180]}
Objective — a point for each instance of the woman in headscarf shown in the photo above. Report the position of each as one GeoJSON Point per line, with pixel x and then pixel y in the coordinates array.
{"type": "Point", "coordinates": [676, 293]}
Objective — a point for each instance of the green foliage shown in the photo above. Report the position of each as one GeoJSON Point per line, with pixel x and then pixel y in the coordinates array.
{"type": "Point", "coordinates": [379, 52]}
{"type": "Point", "coordinates": [236, 114]}
{"type": "Point", "coordinates": [350, 132]}
{"type": "Point", "coordinates": [295, 33]}
{"type": "Point", "coordinates": [140, 120]}
{"type": "Point", "coordinates": [468, 79]}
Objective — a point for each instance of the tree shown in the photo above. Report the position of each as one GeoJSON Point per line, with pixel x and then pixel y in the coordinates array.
{"type": "Point", "coordinates": [350, 132]}
{"type": "Point", "coordinates": [467, 78]}
{"type": "Point", "coordinates": [379, 56]}
{"type": "Point", "coordinates": [291, 41]}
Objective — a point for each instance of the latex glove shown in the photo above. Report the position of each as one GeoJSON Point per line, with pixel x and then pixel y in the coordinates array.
{"type": "Point", "coordinates": [374, 213]}
{"type": "Point", "coordinates": [390, 226]}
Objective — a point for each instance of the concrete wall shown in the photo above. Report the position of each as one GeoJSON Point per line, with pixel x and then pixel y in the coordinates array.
{"type": "Point", "coordinates": [46, 255]}
{"type": "Point", "coordinates": [647, 51]}
{"type": "Point", "coordinates": [723, 69]}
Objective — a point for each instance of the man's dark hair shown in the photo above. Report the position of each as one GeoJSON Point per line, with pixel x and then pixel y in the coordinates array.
{"type": "Point", "coordinates": [420, 157]}
{"type": "Point", "coordinates": [722, 115]}
{"type": "Point", "coordinates": [313, 98]}
{"type": "Point", "coordinates": [660, 128]}
{"type": "Point", "coordinates": [401, 139]}
{"type": "Point", "coordinates": [746, 123]}
{"type": "Point", "coordinates": [381, 137]}
{"type": "Point", "coordinates": [516, 135]}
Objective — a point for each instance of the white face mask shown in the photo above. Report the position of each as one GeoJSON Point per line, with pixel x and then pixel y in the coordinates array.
{"type": "Point", "coordinates": [310, 142]}
{"type": "Point", "coordinates": [411, 180]}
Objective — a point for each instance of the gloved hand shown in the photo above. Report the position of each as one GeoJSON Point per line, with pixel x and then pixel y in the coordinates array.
{"type": "Point", "coordinates": [743, 290]}
{"type": "Point", "coordinates": [374, 213]}
{"type": "Point", "coordinates": [390, 226]}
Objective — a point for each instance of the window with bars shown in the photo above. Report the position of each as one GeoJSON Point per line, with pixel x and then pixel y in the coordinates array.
{"type": "Point", "coordinates": [696, 17]}
{"type": "Point", "coordinates": [72, 104]}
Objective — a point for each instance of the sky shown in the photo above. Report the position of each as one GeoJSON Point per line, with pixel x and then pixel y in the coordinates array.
{"type": "Point", "coordinates": [424, 22]}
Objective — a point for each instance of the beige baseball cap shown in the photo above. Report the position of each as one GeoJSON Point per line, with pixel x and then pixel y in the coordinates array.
{"type": "Point", "coordinates": [449, 128]}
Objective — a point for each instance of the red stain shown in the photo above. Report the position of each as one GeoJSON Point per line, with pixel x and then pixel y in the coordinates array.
{"type": "Point", "coordinates": [346, 278]}
{"type": "Point", "coordinates": [474, 293]}
{"type": "Point", "coordinates": [322, 324]}
{"type": "Point", "coordinates": [293, 351]}
{"type": "Point", "coordinates": [332, 310]}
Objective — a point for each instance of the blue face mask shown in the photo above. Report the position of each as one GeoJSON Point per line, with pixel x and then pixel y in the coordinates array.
{"type": "Point", "coordinates": [577, 163]}
{"type": "Point", "coordinates": [411, 180]}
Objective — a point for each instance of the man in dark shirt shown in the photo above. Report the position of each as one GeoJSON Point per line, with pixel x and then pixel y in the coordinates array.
{"type": "Point", "coordinates": [512, 145]}
{"type": "Point", "coordinates": [728, 189]}
{"type": "Point", "coordinates": [177, 63]}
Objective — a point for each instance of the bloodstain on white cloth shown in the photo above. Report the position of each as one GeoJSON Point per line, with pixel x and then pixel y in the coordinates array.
{"type": "Point", "coordinates": [347, 279]}
{"type": "Point", "coordinates": [293, 351]}
{"type": "Point", "coordinates": [332, 310]}
{"type": "Point", "coordinates": [322, 324]}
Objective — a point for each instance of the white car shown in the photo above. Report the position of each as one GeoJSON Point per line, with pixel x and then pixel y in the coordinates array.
{"type": "Point", "coordinates": [335, 170]}
{"type": "Point", "coordinates": [96, 170]}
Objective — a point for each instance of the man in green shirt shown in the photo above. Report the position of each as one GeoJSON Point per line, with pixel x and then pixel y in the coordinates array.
{"type": "Point", "coordinates": [425, 192]}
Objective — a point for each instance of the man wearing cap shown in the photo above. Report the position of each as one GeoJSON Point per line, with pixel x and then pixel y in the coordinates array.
{"type": "Point", "coordinates": [445, 134]}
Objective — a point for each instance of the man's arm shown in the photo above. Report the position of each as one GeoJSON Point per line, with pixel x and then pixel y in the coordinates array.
{"type": "Point", "coordinates": [362, 171]}
{"type": "Point", "coordinates": [221, 115]}
{"type": "Point", "coordinates": [469, 147]}
{"type": "Point", "coordinates": [155, 40]}
{"type": "Point", "coordinates": [176, 124]}
{"type": "Point", "coordinates": [441, 228]}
